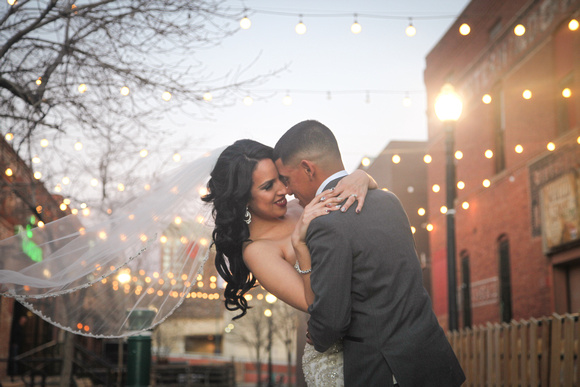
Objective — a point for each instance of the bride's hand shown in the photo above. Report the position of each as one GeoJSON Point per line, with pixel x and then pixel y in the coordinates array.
{"type": "Point", "coordinates": [355, 187]}
{"type": "Point", "coordinates": [322, 204]}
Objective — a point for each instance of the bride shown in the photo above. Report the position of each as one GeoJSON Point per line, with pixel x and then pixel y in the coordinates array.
{"type": "Point", "coordinates": [258, 233]}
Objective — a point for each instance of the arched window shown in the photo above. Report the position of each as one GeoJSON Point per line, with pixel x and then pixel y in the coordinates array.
{"type": "Point", "coordinates": [505, 285]}
{"type": "Point", "coordinates": [465, 288]}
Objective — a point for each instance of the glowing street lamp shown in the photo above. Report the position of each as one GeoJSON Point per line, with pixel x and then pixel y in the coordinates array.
{"type": "Point", "coordinates": [448, 108]}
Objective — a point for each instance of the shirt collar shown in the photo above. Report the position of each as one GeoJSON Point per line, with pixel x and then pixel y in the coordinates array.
{"type": "Point", "coordinates": [331, 178]}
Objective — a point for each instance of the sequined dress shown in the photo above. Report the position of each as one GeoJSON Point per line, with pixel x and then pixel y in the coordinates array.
{"type": "Point", "coordinates": [323, 369]}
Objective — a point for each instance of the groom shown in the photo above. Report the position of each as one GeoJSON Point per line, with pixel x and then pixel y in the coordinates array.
{"type": "Point", "coordinates": [365, 276]}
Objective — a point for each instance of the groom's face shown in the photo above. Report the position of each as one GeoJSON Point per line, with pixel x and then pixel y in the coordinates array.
{"type": "Point", "coordinates": [298, 182]}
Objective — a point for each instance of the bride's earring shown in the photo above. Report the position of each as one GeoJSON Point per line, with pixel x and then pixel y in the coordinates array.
{"type": "Point", "coordinates": [247, 216]}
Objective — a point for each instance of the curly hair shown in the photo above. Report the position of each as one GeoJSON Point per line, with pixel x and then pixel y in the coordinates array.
{"type": "Point", "coordinates": [229, 191]}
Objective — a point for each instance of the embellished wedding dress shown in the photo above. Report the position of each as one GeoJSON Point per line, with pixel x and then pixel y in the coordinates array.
{"type": "Point", "coordinates": [323, 369]}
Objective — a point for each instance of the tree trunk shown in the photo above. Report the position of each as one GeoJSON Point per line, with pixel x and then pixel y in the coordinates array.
{"type": "Point", "coordinates": [67, 359]}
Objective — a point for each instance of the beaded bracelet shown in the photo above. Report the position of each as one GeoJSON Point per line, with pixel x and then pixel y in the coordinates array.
{"type": "Point", "coordinates": [297, 267]}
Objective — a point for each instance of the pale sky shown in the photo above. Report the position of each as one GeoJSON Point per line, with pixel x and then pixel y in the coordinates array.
{"type": "Point", "coordinates": [329, 57]}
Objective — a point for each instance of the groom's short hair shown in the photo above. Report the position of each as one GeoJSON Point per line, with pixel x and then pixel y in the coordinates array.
{"type": "Point", "coordinates": [309, 140]}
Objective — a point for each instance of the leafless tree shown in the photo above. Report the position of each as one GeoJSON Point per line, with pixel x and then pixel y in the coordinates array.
{"type": "Point", "coordinates": [109, 70]}
{"type": "Point", "coordinates": [286, 324]}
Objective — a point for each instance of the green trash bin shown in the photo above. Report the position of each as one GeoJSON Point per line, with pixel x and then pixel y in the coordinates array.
{"type": "Point", "coordinates": [139, 348]}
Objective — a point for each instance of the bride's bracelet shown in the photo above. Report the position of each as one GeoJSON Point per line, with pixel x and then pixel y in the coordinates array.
{"type": "Point", "coordinates": [297, 267]}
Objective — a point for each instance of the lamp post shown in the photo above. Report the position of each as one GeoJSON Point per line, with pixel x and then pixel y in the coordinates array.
{"type": "Point", "coordinates": [270, 299]}
{"type": "Point", "coordinates": [448, 109]}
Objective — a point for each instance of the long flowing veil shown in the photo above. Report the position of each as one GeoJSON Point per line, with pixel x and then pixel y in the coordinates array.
{"type": "Point", "coordinates": [92, 275]}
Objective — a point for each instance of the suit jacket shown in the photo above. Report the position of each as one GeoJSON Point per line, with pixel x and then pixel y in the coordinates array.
{"type": "Point", "coordinates": [368, 289]}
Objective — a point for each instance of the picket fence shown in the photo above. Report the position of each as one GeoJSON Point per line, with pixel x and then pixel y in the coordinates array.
{"type": "Point", "coordinates": [534, 352]}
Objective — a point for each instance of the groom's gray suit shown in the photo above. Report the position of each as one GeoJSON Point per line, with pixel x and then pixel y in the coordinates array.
{"type": "Point", "coordinates": [368, 291]}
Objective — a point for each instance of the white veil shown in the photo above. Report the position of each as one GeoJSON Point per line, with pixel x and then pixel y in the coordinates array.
{"type": "Point", "coordinates": [91, 276]}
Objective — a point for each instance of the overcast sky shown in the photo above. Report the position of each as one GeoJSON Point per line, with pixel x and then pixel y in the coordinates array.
{"type": "Point", "coordinates": [381, 59]}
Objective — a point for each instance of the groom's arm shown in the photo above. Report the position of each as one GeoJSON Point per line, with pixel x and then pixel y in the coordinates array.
{"type": "Point", "coordinates": [331, 283]}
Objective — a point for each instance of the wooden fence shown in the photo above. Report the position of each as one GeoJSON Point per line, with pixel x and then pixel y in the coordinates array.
{"type": "Point", "coordinates": [542, 352]}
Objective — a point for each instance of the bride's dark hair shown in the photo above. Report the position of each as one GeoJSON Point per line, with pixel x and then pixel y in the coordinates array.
{"type": "Point", "coordinates": [229, 191]}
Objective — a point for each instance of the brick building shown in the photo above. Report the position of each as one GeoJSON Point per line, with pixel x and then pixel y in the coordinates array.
{"type": "Point", "coordinates": [518, 242]}
{"type": "Point", "coordinates": [24, 201]}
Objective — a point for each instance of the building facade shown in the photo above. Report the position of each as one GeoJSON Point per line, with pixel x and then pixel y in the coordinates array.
{"type": "Point", "coordinates": [517, 173]}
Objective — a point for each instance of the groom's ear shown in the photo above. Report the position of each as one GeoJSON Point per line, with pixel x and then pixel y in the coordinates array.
{"type": "Point", "coordinates": [309, 168]}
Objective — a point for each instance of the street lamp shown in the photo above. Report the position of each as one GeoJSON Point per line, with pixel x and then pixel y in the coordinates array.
{"type": "Point", "coordinates": [448, 109]}
{"type": "Point", "coordinates": [270, 299]}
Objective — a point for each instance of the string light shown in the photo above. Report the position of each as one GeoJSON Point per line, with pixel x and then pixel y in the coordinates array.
{"type": "Point", "coordinates": [465, 205]}
{"type": "Point", "coordinates": [300, 27]}
{"type": "Point", "coordinates": [519, 148]}
{"type": "Point", "coordinates": [125, 91]}
{"type": "Point", "coordinates": [519, 30]}
{"type": "Point", "coordinates": [421, 211]}
{"type": "Point", "coordinates": [460, 184]}
{"type": "Point", "coordinates": [44, 143]}
{"type": "Point", "coordinates": [566, 93]}
{"type": "Point", "coordinates": [365, 162]}
{"type": "Point", "coordinates": [11, 2]}
{"type": "Point", "coordinates": [94, 182]}
{"type": "Point", "coordinates": [527, 94]}
{"type": "Point", "coordinates": [464, 29]}
{"type": "Point", "coordinates": [551, 146]}
{"type": "Point", "coordinates": [429, 227]}
{"type": "Point", "coordinates": [427, 159]}
{"type": "Point", "coordinates": [413, 229]}
{"type": "Point", "coordinates": [573, 25]}
{"type": "Point", "coordinates": [166, 96]}
{"type": "Point", "coordinates": [121, 187]}
{"type": "Point", "coordinates": [488, 153]}
{"type": "Point", "coordinates": [9, 137]}
{"type": "Point", "coordinates": [78, 146]}
{"type": "Point", "coordinates": [355, 28]}
{"type": "Point", "coordinates": [486, 183]}
{"type": "Point", "coordinates": [248, 101]}
{"type": "Point", "coordinates": [443, 209]}
{"type": "Point", "coordinates": [287, 100]}
{"type": "Point", "coordinates": [143, 153]}
{"type": "Point", "coordinates": [176, 157]}
{"type": "Point", "coordinates": [82, 88]}
{"type": "Point", "coordinates": [486, 99]}
{"type": "Point", "coordinates": [36, 159]}
{"type": "Point", "coordinates": [8, 172]}
{"type": "Point", "coordinates": [436, 188]}
{"type": "Point", "coordinates": [207, 96]}
{"type": "Point", "coordinates": [39, 81]}
{"type": "Point", "coordinates": [245, 23]}
{"type": "Point", "coordinates": [65, 180]}
{"type": "Point", "coordinates": [396, 159]}
{"type": "Point", "coordinates": [411, 30]}
{"type": "Point", "coordinates": [458, 155]}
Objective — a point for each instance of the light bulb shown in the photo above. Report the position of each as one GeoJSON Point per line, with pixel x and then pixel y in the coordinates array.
{"type": "Point", "coordinates": [573, 25]}
{"type": "Point", "coordinates": [248, 100]}
{"type": "Point", "coordinates": [427, 159]}
{"type": "Point", "coordinates": [519, 30]}
{"type": "Point", "coordinates": [287, 100]}
{"type": "Point", "coordinates": [125, 90]}
{"type": "Point", "coordinates": [527, 94]}
{"type": "Point", "coordinates": [411, 30]}
{"type": "Point", "coordinates": [365, 162]}
{"type": "Point", "coordinates": [245, 23]}
{"type": "Point", "coordinates": [78, 145]}
{"type": "Point", "coordinates": [166, 96]}
{"type": "Point", "coordinates": [486, 99]}
{"type": "Point", "coordinates": [488, 153]}
{"type": "Point", "coordinates": [82, 88]}
{"type": "Point", "coordinates": [207, 96]}
{"type": "Point", "coordinates": [551, 146]}
{"type": "Point", "coordinates": [355, 28]}
{"type": "Point", "coordinates": [566, 93]}
{"type": "Point", "coordinates": [44, 143]}
{"type": "Point", "coordinates": [300, 28]}
{"type": "Point", "coordinates": [396, 159]}
{"type": "Point", "coordinates": [464, 29]}
{"type": "Point", "coordinates": [9, 137]}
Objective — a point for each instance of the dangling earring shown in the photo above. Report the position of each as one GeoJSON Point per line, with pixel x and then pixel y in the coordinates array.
{"type": "Point", "coordinates": [247, 216]}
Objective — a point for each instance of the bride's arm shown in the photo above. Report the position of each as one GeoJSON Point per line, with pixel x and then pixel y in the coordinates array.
{"type": "Point", "coordinates": [354, 187]}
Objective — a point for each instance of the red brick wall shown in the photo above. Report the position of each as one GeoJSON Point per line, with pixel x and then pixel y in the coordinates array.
{"type": "Point", "coordinates": [477, 65]}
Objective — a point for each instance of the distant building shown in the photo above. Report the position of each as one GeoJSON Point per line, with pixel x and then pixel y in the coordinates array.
{"type": "Point", "coordinates": [518, 241]}
{"type": "Point", "coordinates": [400, 168]}
{"type": "Point", "coordinates": [24, 201]}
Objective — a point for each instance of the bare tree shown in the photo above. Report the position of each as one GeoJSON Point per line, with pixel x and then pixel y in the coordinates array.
{"type": "Point", "coordinates": [286, 324]}
{"type": "Point", "coordinates": [107, 71]}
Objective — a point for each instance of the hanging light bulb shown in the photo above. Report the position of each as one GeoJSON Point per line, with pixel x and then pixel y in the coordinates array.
{"type": "Point", "coordinates": [8, 172]}
{"type": "Point", "coordinates": [287, 100]}
{"type": "Point", "coordinates": [488, 153]}
{"type": "Point", "coordinates": [519, 30]}
{"type": "Point", "coordinates": [37, 175]}
{"type": "Point", "coordinates": [486, 99]}
{"type": "Point", "coordinates": [464, 29]}
{"type": "Point", "coordinates": [427, 159]}
{"type": "Point", "coordinates": [411, 30]}
{"type": "Point", "coordinates": [11, 2]}
{"type": "Point", "coordinates": [355, 28]}
{"type": "Point", "coordinates": [39, 81]}
{"type": "Point", "coordinates": [143, 153]}
{"type": "Point", "coordinates": [407, 101]}
{"type": "Point", "coordinates": [396, 159]}
{"type": "Point", "coordinates": [551, 146]}
{"type": "Point", "coordinates": [94, 182]}
{"type": "Point", "coordinates": [65, 180]}
{"type": "Point", "coordinates": [519, 148]}
{"type": "Point", "coordinates": [121, 187]}
{"type": "Point", "coordinates": [125, 91]}
{"type": "Point", "coordinates": [207, 96]}
{"type": "Point", "coordinates": [486, 183]}
{"type": "Point", "coordinates": [458, 155]}
{"type": "Point", "coordinates": [245, 23]}
{"type": "Point", "coordinates": [166, 96]}
{"type": "Point", "coordinates": [365, 162]}
{"type": "Point", "coordinates": [300, 27]}
{"type": "Point", "coordinates": [177, 157]}
{"type": "Point", "coordinates": [248, 101]}
{"type": "Point", "coordinates": [527, 94]}
{"type": "Point", "coordinates": [82, 88]}
{"type": "Point", "coordinates": [44, 143]}
{"type": "Point", "coordinates": [9, 137]}
{"type": "Point", "coordinates": [566, 93]}
{"type": "Point", "coordinates": [36, 159]}
{"type": "Point", "coordinates": [573, 25]}
{"type": "Point", "coordinates": [78, 146]}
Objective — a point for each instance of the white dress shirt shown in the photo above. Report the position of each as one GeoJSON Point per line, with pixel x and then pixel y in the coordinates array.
{"type": "Point", "coordinates": [331, 178]}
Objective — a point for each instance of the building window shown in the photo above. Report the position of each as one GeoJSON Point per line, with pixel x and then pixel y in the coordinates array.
{"type": "Point", "coordinates": [465, 289]}
{"type": "Point", "coordinates": [203, 344]}
{"type": "Point", "coordinates": [499, 130]}
{"type": "Point", "coordinates": [505, 287]}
